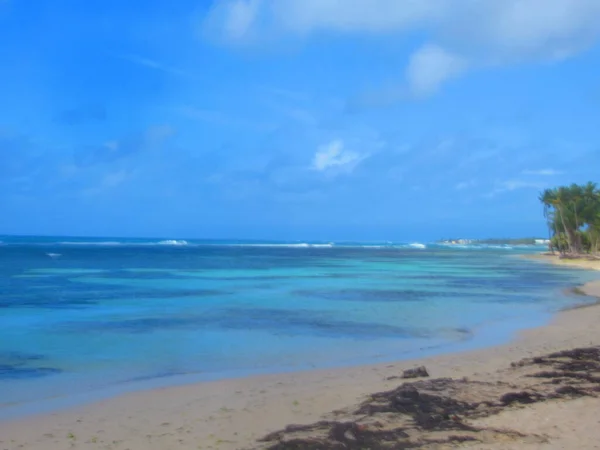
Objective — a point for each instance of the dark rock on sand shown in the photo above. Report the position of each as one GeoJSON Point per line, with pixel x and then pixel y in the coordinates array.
{"type": "Point", "coordinates": [415, 373]}
{"type": "Point", "coordinates": [517, 397]}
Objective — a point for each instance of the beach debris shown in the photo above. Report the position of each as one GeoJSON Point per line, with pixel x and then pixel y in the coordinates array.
{"type": "Point", "coordinates": [436, 413]}
{"type": "Point", "coordinates": [570, 391]}
{"type": "Point", "coordinates": [517, 397]}
{"type": "Point", "coordinates": [417, 372]}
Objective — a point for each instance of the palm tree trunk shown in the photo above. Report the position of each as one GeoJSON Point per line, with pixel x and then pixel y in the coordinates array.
{"type": "Point", "coordinates": [578, 243]}
{"type": "Point", "coordinates": [549, 224]}
{"type": "Point", "coordinates": [562, 219]}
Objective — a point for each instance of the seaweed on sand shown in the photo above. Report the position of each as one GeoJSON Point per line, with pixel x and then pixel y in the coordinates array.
{"type": "Point", "coordinates": [429, 413]}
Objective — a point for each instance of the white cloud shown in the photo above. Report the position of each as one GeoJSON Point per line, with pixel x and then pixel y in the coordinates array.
{"type": "Point", "coordinates": [287, 94]}
{"type": "Point", "coordinates": [114, 179]}
{"type": "Point", "coordinates": [241, 17]}
{"type": "Point", "coordinates": [465, 185]}
{"type": "Point", "coordinates": [222, 119]}
{"type": "Point", "coordinates": [234, 20]}
{"type": "Point", "coordinates": [514, 185]}
{"type": "Point", "coordinates": [109, 181]}
{"type": "Point", "coordinates": [113, 146]}
{"type": "Point", "coordinates": [152, 64]}
{"type": "Point", "coordinates": [542, 172]}
{"type": "Point", "coordinates": [157, 135]}
{"type": "Point", "coordinates": [333, 155]}
{"type": "Point", "coordinates": [68, 170]}
{"type": "Point", "coordinates": [430, 66]}
{"type": "Point", "coordinates": [462, 33]}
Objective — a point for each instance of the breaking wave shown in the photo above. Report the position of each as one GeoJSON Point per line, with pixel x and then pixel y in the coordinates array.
{"type": "Point", "coordinates": [298, 245]}
{"type": "Point", "coordinates": [172, 242]}
{"type": "Point", "coordinates": [86, 243]}
{"type": "Point", "coordinates": [484, 246]}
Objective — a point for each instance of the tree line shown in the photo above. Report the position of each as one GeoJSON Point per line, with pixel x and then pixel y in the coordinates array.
{"type": "Point", "coordinates": [573, 217]}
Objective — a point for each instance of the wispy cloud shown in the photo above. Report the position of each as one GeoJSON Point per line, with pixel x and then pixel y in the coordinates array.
{"type": "Point", "coordinates": [153, 64]}
{"type": "Point", "coordinates": [334, 155]}
{"type": "Point", "coordinates": [293, 112]}
{"type": "Point", "coordinates": [465, 185]}
{"type": "Point", "coordinates": [514, 185]}
{"type": "Point", "coordinates": [287, 94]}
{"type": "Point", "coordinates": [294, 104]}
{"type": "Point", "coordinates": [108, 182]}
{"type": "Point", "coordinates": [118, 149]}
{"type": "Point", "coordinates": [82, 114]}
{"type": "Point", "coordinates": [223, 119]}
{"type": "Point", "coordinates": [236, 17]}
{"type": "Point", "coordinates": [542, 172]}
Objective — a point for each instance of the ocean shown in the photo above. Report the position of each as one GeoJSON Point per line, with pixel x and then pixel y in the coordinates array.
{"type": "Point", "coordinates": [85, 318]}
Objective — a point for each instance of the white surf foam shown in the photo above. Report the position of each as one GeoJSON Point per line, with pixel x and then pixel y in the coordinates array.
{"type": "Point", "coordinates": [172, 242]}
{"type": "Point", "coordinates": [298, 245]}
{"type": "Point", "coordinates": [98, 243]}
{"type": "Point", "coordinates": [124, 243]}
{"type": "Point", "coordinates": [478, 246]}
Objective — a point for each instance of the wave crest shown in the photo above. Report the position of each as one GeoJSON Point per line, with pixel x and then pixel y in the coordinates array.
{"type": "Point", "coordinates": [299, 245]}
{"type": "Point", "coordinates": [98, 243]}
{"type": "Point", "coordinates": [176, 242]}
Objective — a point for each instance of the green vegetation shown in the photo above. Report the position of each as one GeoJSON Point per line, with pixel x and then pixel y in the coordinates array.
{"type": "Point", "coordinates": [573, 217]}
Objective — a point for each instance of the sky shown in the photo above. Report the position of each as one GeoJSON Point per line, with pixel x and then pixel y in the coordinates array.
{"type": "Point", "coordinates": [294, 119]}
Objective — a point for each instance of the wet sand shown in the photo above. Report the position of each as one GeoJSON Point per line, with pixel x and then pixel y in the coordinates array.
{"type": "Point", "coordinates": [234, 414]}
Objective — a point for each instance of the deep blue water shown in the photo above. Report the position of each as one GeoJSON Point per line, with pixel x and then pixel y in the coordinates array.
{"type": "Point", "coordinates": [82, 316]}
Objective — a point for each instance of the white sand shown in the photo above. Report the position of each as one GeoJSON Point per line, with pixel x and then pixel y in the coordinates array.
{"type": "Point", "coordinates": [231, 414]}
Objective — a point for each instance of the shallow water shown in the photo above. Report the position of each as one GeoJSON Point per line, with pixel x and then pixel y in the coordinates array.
{"type": "Point", "coordinates": [80, 317]}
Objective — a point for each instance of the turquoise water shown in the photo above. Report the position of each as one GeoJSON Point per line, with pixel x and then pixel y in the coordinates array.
{"type": "Point", "coordinates": [83, 317]}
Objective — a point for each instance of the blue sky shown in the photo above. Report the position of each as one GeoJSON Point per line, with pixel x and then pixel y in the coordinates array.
{"type": "Point", "coordinates": [294, 119]}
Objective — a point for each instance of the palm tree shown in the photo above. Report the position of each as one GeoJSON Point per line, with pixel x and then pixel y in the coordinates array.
{"type": "Point", "coordinates": [591, 213]}
{"type": "Point", "coordinates": [561, 200]}
{"type": "Point", "coordinates": [547, 198]}
{"type": "Point", "coordinates": [575, 197]}
{"type": "Point", "coordinates": [573, 215]}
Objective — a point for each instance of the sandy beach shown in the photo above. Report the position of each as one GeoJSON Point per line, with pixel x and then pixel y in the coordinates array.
{"type": "Point", "coordinates": [575, 263]}
{"type": "Point", "coordinates": [234, 414]}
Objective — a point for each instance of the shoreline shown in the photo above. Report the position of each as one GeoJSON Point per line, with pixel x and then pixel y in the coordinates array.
{"type": "Point", "coordinates": [233, 413]}
{"type": "Point", "coordinates": [589, 289]}
{"type": "Point", "coordinates": [573, 263]}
